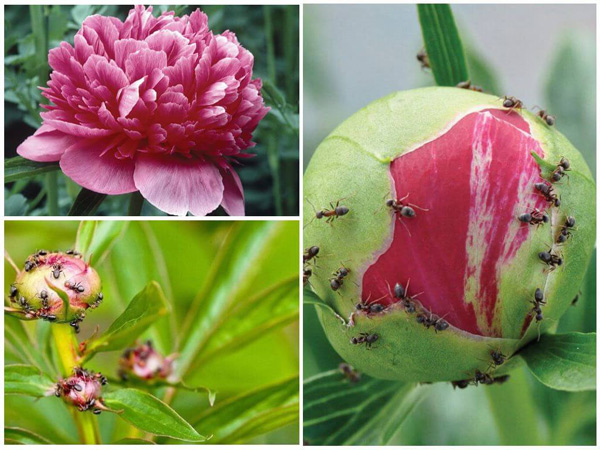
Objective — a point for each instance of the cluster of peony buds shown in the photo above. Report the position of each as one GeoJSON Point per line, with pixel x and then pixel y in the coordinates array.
{"type": "Point", "coordinates": [144, 362]}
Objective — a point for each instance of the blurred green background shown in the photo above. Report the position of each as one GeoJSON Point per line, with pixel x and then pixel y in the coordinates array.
{"type": "Point", "coordinates": [271, 33]}
{"type": "Point", "coordinates": [179, 255]}
{"type": "Point", "coordinates": [542, 54]}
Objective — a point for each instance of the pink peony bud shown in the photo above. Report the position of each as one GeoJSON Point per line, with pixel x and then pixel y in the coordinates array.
{"type": "Point", "coordinates": [159, 105]}
{"type": "Point", "coordinates": [144, 362]}
{"type": "Point", "coordinates": [82, 389]}
{"type": "Point", "coordinates": [33, 292]}
{"type": "Point", "coordinates": [454, 228]}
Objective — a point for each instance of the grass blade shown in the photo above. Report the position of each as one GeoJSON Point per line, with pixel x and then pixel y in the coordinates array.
{"type": "Point", "coordinates": [443, 44]}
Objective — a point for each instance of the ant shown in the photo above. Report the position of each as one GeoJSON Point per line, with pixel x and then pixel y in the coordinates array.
{"type": "Point", "coordinates": [535, 217]}
{"type": "Point", "coordinates": [307, 274]}
{"type": "Point", "coordinates": [351, 374]}
{"type": "Point", "coordinates": [482, 378]}
{"type": "Point", "coordinates": [98, 300]}
{"type": "Point", "coordinates": [467, 85]}
{"type": "Point", "coordinates": [310, 253]}
{"type": "Point", "coordinates": [56, 270]}
{"type": "Point", "coordinates": [498, 358]}
{"type": "Point", "coordinates": [512, 103]}
{"type": "Point", "coordinates": [74, 287]}
{"type": "Point", "coordinates": [423, 58]}
{"type": "Point", "coordinates": [336, 211]}
{"type": "Point", "coordinates": [565, 233]}
{"type": "Point", "coordinates": [550, 259]}
{"type": "Point", "coordinates": [542, 114]}
{"type": "Point", "coordinates": [538, 302]}
{"type": "Point", "coordinates": [401, 293]}
{"type": "Point", "coordinates": [402, 208]}
{"type": "Point", "coordinates": [548, 192]}
{"type": "Point", "coordinates": [29, 265]}
{"type": "Point", "coordinates": [461, 384]}
{"type": "Point", "coordinates": [438, 323]}
{"type": "Point", "coordinates": [13, 291]}
{"type": "Point", "coordinates": [365, 338]}
{"type": "Point", "coordinates": [338, 278]}
{"type": "Point", "coordinates": [73, 253]}
{"type": "Point", "coordinates": [75, 323]}
{"type": "Point", "coordinates": [575, 299]}
{"type": "Point", "coordinates": [370, 308]}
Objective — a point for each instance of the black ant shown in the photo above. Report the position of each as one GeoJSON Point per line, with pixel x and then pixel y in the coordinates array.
{"type": "Point", "coordinates": [75, 323]}
{"type": "Point", "coordinates": [73, 253]}
{"type": "Point", "coordinates": [575, 299]}
{"type": "Point", "coordinates": [565, 233]}
{"type": "Point", "coordinates": [438, 323]}
{"type": "Point", "coordinates": [501, 379]}
{"type": "Point", "coordinates": [548, 192]}
{"type": "Point", "coordinates": [423, 58]}
{"type": "Point", "coordinates": [461, 384]}
{"type": "Point", "coordinates": [365, 338]}
{"type": "Point", "coordinates": [542, 114]}
{"type": "Point", "coordinates": [498, 358]}
{"type": "Point", "coordinates": [337, 280]}
{"type": "Point", "coordinates": [561, 170]}
{"type": "Point", "coordinates": [482, 378]}
{"type": "Point", "coordinates": [98, 300]}
{"type": "Point", "coordinates": [57, 270]}
{"type": "Point", "coordinates": [29, 265]}
{"type": "Point", "coordinates": [467, 85]}
{"type": "Point", "coordinates": [512, 103]}
{"type": "Point", "coordinates": [401, 293]}
{"type": "Point", "coordinates": [535, 217]}
{"type": "Point", "coordinates": [336, 211]}
{"type": "Point", "coordinates": [351, 374]}
{"type": "Point", "coordinates": [405, 209]}
{"type": "Point", "coordinates": [538, 302]}
{"type": "Point", "coordinates": [550, 259]}
{"type": "Point", "coordinates": [13, 291]}
{"type": "Point", "coordinates": [370, 308]}
{"type": "Point", "coordinates": [307, 274]}
{"type": "Point", "coordinates": [310, 253]}
{"type": "Point", "coordinates": [74, 287]}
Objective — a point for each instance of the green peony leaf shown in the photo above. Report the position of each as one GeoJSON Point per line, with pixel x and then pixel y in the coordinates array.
{"type": "Point", "coordinates": [147, 413]}
{"type": "Point", "coordinates": [86, 203]}
{"type": "Point", "coordinates": [241, 418]}
{"type": "Point", "coordinates": [566, 362]}
{"type": "Point", "coordinates": [21, 379]}
{"type": "Point", "coordinates": [147, 306]}
{"type": "Point", "coordinates": [18, 168]}
{"type": "Point", "coordinates": [366, 412]}
{"type": "Point", "coordinates": [14, 435]}
{"type": "Point", "coordinates": [443, 45]}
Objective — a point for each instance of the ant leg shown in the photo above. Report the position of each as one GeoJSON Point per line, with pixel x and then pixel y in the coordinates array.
{"type": "Point", "coordinates": [405, 227]}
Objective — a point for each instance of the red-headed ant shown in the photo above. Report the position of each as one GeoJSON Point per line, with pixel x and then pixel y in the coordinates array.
{"type": "Point", "coordinates": [336, 211]}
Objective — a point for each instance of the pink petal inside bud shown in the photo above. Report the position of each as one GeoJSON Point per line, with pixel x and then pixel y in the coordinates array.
{"type": "Point", "coordinates": [474, 180]}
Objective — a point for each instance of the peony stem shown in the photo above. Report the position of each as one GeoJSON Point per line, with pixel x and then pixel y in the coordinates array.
{"type": "Point", "coordinates": [136, 202]}
{"type": "Point", "coordinates": [66, 343]}
{"type": "Point", "coordinates": [52, 191]}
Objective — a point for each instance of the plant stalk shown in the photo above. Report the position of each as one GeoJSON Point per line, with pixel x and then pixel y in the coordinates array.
{"type": "Point", "coordinates": [136, 202]}
{"type": "Point", "coordinates": [66, 345]}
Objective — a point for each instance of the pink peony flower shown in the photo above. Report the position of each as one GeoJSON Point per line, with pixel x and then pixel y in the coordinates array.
{"type": "Point", "coordinates": [156, 104]}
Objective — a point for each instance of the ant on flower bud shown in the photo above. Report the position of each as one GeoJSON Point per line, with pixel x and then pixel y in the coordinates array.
{"type": "Point", "coordinates": [349, 372]}
{"type": "Point", "coordinates": [365, 338]}
{"type": "Point", "coordinates": [337, 280]}
{"type": "Point", "coordinates": [535, 217]}
{"type": "Point", "coordinates": [548, 192]}
{"type": "Point", "coordinates": [335, 212]}
{"type": "Point", "coordinates": [467, 85]}
{"type": "Point", "coordinates": [512, 103]}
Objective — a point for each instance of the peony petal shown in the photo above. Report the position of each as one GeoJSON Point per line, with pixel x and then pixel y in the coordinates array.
{"type": "Point", "coordinates": [233, 193]}
{"type": "Point", "coordinates": [177, 185]}
{"type": "Point", "coordinates": [46, 145]}
{"type": "Point", "coordinates": [105, 174]}
{"type": "Point", "coordinates": [129, 96]}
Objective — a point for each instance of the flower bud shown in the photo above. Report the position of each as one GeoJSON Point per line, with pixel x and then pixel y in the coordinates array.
{"type": "Point", "coordinates": [82, 389]}
{"type": "Point", "coordinates": [455, 248]}
{"type": "Point", "coordinates": [144, 362]}
{"type": "Point", "coordinates": [33, 294]}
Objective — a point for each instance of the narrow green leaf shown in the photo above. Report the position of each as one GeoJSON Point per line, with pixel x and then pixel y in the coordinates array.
{"type": "Point", "coordinates": [18, 168]}
{"type": "Point", "coordinates": [147, 413]}
{"type": "Point", "coordinates": [26, 380]}
{"type": "Point", "coordinates": [443, 44]}
{"type": "Point", "coordinates": [566, 362]}
{"type": "Point", "coordinates": [147, 385]}
{"type": "Point", "coordinates": [85, 235]}
{"type": "Point", "coordinates": [108, 232]}
{"type": "Point", "coordinates": [367, 412]}
{"type": "Point", "coordinates": [63, 296]}
{"type": "Point", "coordinates": [14, 435]}
{"type": "Point", "coordinates": [147, 306]}
{"type": "Point", "coordinates": [245, 322]}
{"type": "Point", "coordinates": [238, 418]}
{"type": "Point", "coordinates": [86, 203]}
{"type": "Point", "coordinates": [508, 398]}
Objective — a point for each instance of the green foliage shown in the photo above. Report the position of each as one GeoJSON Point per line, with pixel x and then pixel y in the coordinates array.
{"type": "Point", "coordinates": [21, 436]}
{"type": "Point", "coordinates": [250, 297]}
{"type": "Point", "coordinates": [564, 361]}
{"type": "Point", "coordinates": [26, 380]}
{"type": "Point", "coordinates": [338, 411]}
{"type": "Point", "coordinates": [443, 44]}
{"type": "Point", "coordinates": [147, 413]}
{"type": "Point", "coordinates": [271, 33]}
